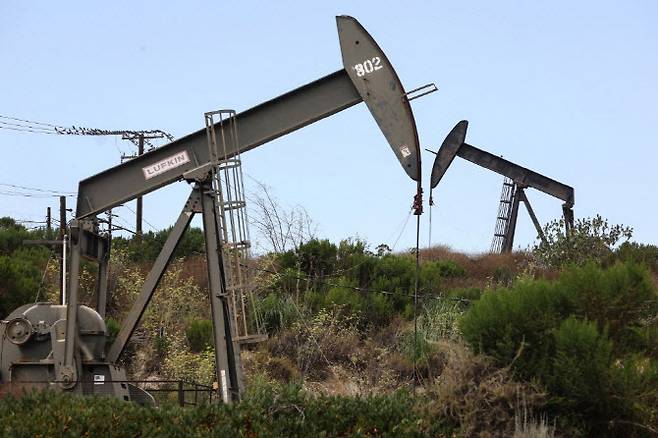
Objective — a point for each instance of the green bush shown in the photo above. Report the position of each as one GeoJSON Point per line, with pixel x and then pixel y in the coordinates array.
{"type": "Point", "coordinates": [638, 253]}
{"type": "Point", "coordinates": [278, 312]}
{"type": "Point", "coordinates": [580, 373]}
{"type": "Point", "coordinates": [147, 247]}
{"type": "Point", "coordinates": [285, 412]}
{"type": "Point", "coordinates": [506, 321]}
{"type": "Point", "coordinates": [576, 336]}
{"type": "Point", "coordinates": [465, 293]}
{"type": "Point", "coordinates": [590, 239]}
{"type": "Point", "coordinates": [112, 326]}
{"type": "Point", "coordinates": [620, 298]}
{"type": "Point", "coordinates": [199, 335]}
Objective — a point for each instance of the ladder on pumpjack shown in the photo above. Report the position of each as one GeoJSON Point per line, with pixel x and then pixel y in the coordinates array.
{"type": "Point", "coordinates": [501, 241]}
{"type": "Point", "coordinates": [228, 189]}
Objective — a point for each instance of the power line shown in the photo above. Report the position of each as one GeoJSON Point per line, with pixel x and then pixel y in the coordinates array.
{"type": "Point", "coordinates": [32, 195]}
{"type": "Point", "coordinates": [35, 189]}
{"type": "Point", "coordinates": [143, 218]}
{"type": "Point", "coordinates": [24, 125]}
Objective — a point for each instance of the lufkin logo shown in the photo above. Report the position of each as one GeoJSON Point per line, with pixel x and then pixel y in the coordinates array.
{"type": "Point", "coordinates": [165, 165]}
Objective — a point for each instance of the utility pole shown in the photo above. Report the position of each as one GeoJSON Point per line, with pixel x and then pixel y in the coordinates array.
{"type": "Point", "coordinates": [138, 213]}
{"type": "Point", "coordinates": [62, 233]}
{"type": "Point", "coordinates": [49, 227]}
{"type": "Point", "coordinates": [140, 138]}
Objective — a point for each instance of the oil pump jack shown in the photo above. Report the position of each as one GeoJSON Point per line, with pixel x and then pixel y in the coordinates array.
{"type": "Point", "coordinates": [518, 178]}
{"type": "Point", "coordinates": [63, 345]}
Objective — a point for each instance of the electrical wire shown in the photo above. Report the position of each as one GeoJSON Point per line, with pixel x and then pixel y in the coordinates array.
{"type": "Point", "coordinates": [143, 218]}
{"type": "Point", "coordinates": [35, 189]}
{"type": "Point", "coordinates": [404, 227]}
{"type": "Point", "coordinates": [31, 126]}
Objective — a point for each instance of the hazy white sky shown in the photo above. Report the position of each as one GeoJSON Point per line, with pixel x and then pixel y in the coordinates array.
{"type": "Point", "coordinates": [565, 88]}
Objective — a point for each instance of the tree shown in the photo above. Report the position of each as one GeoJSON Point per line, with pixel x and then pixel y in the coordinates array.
{"type": "Point", "coordinates": [590, 239]}
{"type": "Point", "coordinates": [282, 228]}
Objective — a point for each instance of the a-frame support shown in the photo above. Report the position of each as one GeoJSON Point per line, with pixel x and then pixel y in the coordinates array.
{"type": "Point", "coordinates": [518, 197]}
{"type": "Point", "coordinates": [227, 352]}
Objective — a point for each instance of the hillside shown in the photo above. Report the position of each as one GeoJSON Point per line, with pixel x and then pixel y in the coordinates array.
{"type": "Point", "coordinates": [511, 344]}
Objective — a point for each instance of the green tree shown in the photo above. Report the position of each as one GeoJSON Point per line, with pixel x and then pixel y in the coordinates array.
{"type": "Point", "coordinates": [591, 239]}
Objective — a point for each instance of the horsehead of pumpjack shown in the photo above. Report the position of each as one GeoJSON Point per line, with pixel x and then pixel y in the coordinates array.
{"type": "Point", "coordinates": [65, 343]}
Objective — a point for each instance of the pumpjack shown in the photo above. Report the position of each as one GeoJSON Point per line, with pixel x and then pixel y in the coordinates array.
{"type": "Point", "coordinates": [517, 179]}
{"type": "Point", "coordinates": [63, 345]}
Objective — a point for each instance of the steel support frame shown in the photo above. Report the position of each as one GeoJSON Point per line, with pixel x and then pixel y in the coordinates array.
{"type": "Point", "coordinates": [193, 205]}
{"type": "Point", "coordinates": [531, 213]}
{"type": "Point", "coordinates": [510, 230]}
{"type": "Point", "coordinates": [227, 352]}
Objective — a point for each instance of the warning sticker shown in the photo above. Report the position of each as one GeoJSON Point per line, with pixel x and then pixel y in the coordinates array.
{"type": "Point", "coordinates": [166, 165]}
{"type": "Point", "coordinates": [404, 150]}
{"type": "Point", "coordinates": [99, 379]}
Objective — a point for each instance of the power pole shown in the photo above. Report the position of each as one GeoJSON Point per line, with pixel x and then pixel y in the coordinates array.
{"type": "Point", "coordinates": [62, 233]}
{"type": "Point", "coordinates": [140, 138]}
{"type": "Point", "coordinates": [138, 213]}
{"type": "Point", "coordinates": [49, 227]}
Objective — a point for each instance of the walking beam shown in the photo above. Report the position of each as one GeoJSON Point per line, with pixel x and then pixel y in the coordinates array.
{"type": "Point", "coordinates": [367, 76]}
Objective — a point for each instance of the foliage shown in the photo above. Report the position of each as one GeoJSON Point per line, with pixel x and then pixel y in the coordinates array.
{"type": "Point", "coordinates": [273, 412]}
{"type": "Point", "coordinates": [180, 364]}
{"type": "Point", "coordinates": [591, 239]}
{"type": "Point", "coordinates": [314, 343]}
{"type": "Point", "coordinates": [278, 312]}
{"type": "Point", "coordinates": [113, 327]}
{"type": "Point", "coordinates": [146, 248]}
{"type": "Point", "coordinates": [440, 320]}
{"type": "Point", "coordinates": [574, 336]}
{"type": "Point", "coordinates": [638, 253]}
{"type": "Point", "coordinates": [199, 335]}
{"type": "Point", "coordinates": [21, 267]}
{"type": "Point", "coordinates": [371, 287]}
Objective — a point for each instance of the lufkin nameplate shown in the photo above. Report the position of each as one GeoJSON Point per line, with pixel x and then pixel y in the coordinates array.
{"type": "Point", "coordinates": [166, 165]}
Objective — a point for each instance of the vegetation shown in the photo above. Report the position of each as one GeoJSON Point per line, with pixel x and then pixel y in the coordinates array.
{"type": "Point", "coordinates": [591, 239]}
{"type": "Point", "coordinates": [560, 340]}
{"type": "Point", "coordinates": [584, 337]}
{"type": "Point", "coordinates": [21, 266]}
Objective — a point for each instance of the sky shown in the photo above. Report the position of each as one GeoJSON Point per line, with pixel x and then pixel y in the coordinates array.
{"type": "Point", "coordinates": [565, 88]}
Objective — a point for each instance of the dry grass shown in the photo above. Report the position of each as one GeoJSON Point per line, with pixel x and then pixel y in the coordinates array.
{"type": "Point", "coordinates": [481, 398]}
{"type": "Point", "coordinates": [485, 269]}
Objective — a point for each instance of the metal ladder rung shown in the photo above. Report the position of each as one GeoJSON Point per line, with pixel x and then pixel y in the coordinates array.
{"type": "Point", "coordinates": [237, 245]}
{"type": "Point", "coordinates": [229, 164]}
{"type": "Point", "coordinates": [232, 205]}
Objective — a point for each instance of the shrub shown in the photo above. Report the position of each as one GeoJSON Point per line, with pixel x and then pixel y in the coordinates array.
{"type": "Point", "coordinates": [620, 299]}
{"type": "Point", "coordinates": [477, 397]}
{"type": "Point", "coordinates": [591, 239]}
{"type": "Point", "coordinates": [145, 248]}
{"type": "Point", "coordinates": [638, 253]}
{"type": "Point", "coordinates": [113, 327]}
{"type": "Point", "coordinates": [580, 372]}
{"type": "Point", "coordinates": [199, 335]}
{"type": "Point", "coordinates": [464, 293]}
{"type": "Point", "coordinates": [575, 336]}
{"type": "Point", "coordinates": [506, 322]}
{"type": "Point", "coordinates": [279, 411]}
{"type": "Point", "coordinates": [278, 312]}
